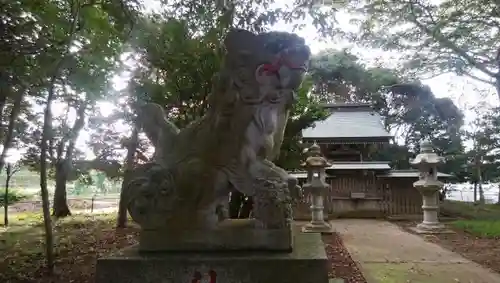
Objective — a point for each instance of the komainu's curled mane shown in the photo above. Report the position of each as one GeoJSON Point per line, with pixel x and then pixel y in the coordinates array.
{"type": "Point", "coordinates": [231, 146]}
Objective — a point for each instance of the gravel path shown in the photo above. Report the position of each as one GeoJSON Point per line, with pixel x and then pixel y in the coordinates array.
{"type": "Point", "coordinates": [482, 250]}
{"type": "Point", "coordinates": [386, 253]}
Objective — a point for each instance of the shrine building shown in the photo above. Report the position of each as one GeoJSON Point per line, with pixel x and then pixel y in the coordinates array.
{"type": "Point", "coordinates": [360, 186]}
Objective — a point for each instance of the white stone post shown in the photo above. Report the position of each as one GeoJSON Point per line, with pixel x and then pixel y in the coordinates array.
{"type": "Point", "coordinates": [315, 165]}
{"type": "Point", "coordinates": [428, 185]}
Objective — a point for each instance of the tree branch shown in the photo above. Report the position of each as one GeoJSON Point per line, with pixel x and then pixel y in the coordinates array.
{"type": "Point", "coordinates": [437, 35]}
{"type": "Point", "coordinates": [77, 127]}
{"type": "Point", "coordinates": [480, 79]}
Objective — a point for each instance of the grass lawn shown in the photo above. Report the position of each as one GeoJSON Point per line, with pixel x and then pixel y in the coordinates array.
{"type": "Point", "coordinates": [79, 240]}
{"type": "Point", "coordinates": [479, 220]}
{"type": "Point", "coordinates": [470, 210]}
{"type": "Point", "coordinates": [482, 228]}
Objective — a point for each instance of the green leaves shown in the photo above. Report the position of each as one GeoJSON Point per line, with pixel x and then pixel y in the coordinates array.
{"type": "Point", "coordinates": [305, 112]}
{"type": "Point", "coordinates": [410, 110]}
{"type": "Point", "coordinates": [71, 48]}
{"type": "Point", "coordinates": [178, 67]}
{"type": "Point", "coordinates": [484, 133]}
{"type": "Point", "coordinates": [180, 54]}
{"type": "Point", "coordinates": [453, 36]}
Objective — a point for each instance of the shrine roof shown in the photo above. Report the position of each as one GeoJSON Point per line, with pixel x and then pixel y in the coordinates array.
{"type": "Point", "coordinates": [348, 121]}
{"type": "Point", "coordinates": [411, 174]}
{"type": "Point", "coordinates": [299, 175]}
{"type": "Point", "coordinates": [349, 165]}
{"type": "Point", "coordinates": [363, 165]}
{"type": "Point", "coordinates": [389, 174]}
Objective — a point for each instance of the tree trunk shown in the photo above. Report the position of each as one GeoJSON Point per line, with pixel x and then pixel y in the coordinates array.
{"type": "Point", "coordinates": [6, 196]}
{"type": "Point", "coordinates": [481, 194]}
{"type": "Point", "coordinates": [475, 192]}
{"type": "Point", "coordinates": [6, 207]}
{"type": "Point", "coordinates": [497, 77]}
{"type": "Point", "coordinates": [442, 195]}
{"type": "Point", "coordinates": [497, 84]}
{"type": "Point", "coordinates": [480, 182]}
{"type": "Point", "coordinates": [44, 147]}
{"type": "Point", "coordinates": [129, 166]}
{"type": "Point", "coordinates": [10, 129]}
{"type": "Point", "coordinates": [235, 203]}
{"type": "Point", "coordinates": [246, 208]}
{"type": "Point", "coordinates": [60, 206]}
{"type": "Point", "coordinates": [47, 125]}
{"type": "Point", "coordinates": [3, 100]}
{"type": "Point", "coordinates": [498, 196]}
{"type": "Point", "coordinates": [64, 165]}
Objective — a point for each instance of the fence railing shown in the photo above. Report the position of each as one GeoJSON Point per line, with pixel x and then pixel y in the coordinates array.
{"type": "Point", "coordinates": [468, 196]}
{"type": "Point", "coordinates": [86, 204]}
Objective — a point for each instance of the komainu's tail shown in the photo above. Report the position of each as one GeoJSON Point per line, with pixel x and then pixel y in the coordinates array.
{"type": "Point", "coordinates": [160, 131]}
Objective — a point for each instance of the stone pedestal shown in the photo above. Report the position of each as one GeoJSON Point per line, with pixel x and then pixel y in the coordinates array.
{"type": "Point", "coordinates": [318, 223]}
{"type": "Point", "coordinates": [322, 227]}
{"type": "Point", "coordinates": [430, 208]}
{"type": "Point", "coordinates": [307, 263]}
{"type": "Point", "coordinates": [230, 235]}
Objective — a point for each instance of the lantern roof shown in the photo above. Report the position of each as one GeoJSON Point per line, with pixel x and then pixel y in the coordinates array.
{"type": "Point", "coordinates": [427, 156]}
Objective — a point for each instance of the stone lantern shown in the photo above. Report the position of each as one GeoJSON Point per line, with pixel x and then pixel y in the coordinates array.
{"type": "Point", "coordinates": [315, 165]}
{"type": "Point", "coordinates": [428, 185]}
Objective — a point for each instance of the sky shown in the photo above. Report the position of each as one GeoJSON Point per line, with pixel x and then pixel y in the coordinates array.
{"type": "Point", "coordinates": [463, 91]}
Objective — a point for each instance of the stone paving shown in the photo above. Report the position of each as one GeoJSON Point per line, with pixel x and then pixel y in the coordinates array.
{"type": "Point", "coordinates": [387, 254]}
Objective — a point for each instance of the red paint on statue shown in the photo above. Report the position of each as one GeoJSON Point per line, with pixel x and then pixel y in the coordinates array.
{"type": "Point", "coordinates": [197, 277]}
{"type": "Point", "coordinates": [213, 276]}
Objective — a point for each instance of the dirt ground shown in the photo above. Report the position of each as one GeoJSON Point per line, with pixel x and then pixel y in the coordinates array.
{"type": "Point", "coordinates": [81, 239]}
{"type": "Point", "coordinates": [30, 206]}
{"type": "Point", "coordinates": [341, 263]}
{"type": "Point", "coordinates": [362, 251]}
{"type": "Point", "coordinates": [484, 251]}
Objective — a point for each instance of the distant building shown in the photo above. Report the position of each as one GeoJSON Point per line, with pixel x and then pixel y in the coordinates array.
{"type": "Point", "coordinates": [359, 185]}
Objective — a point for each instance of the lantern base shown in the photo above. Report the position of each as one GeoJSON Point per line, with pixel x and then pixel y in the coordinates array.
{"type": "Point", "coordinates": [318, 227]}
{"type": "Point", "coordinates": [431, 228]}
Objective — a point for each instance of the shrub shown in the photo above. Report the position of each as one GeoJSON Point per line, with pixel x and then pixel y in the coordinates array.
{"type": "Point", "coordinates": [13, 196]}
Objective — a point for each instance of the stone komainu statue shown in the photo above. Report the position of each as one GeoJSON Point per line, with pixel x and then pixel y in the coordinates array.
{"type": "Point", "coordinates": [231, 147]}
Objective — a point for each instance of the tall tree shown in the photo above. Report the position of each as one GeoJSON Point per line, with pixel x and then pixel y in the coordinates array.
{"type": "Point", "coordinates": [117, 143]}
{"type": "Point", "coordinates": [10, 170]}
{"type": "Point", "coordinates": [435, 37]}
{"type": "Point", "coordinates": [49, 238]}
{"type": "Point", "coordinates": [132, 145]}
{"type": "Point", "coordinates": [409, 108]}
{"type": "Point", "coordinates": [483, 156]}
{"type": "Point", "coordinates": [85, 39]}
{"type": "Point", "coordinates": [21, 50]}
